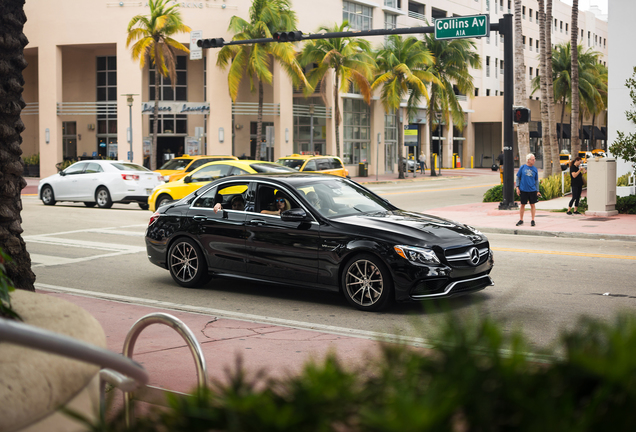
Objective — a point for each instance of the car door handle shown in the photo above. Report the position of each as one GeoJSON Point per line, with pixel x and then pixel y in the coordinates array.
{"type": "Point", "coordinates": [256, 222]}
{"type": "Point", "coordinates": [200, 218]}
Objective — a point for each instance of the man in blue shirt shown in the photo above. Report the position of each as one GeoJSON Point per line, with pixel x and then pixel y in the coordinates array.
{"type": "Point", "coordinates": [528, 187]}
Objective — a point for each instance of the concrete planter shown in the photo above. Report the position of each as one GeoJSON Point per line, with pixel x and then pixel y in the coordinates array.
{"type": "Point", "coordinates": [35, 384]}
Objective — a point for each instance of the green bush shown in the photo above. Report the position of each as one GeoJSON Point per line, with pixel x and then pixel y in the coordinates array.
{"type": "Point", "coordinates": [478, 377]}
{"type": "Point", "coordinates": [32, 160]}
{"type": "Point", "coordinates": [626, 204]}
{"type": "Point", "coordinates": [623, 180]}
{"type": "Point", "coordinates": [61, 166]}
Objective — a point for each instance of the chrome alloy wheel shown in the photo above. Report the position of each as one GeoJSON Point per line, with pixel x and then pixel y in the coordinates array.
{"type": "Point", "coordinates": [364, 282]}
{"type": "Point", "coordinates": [184, 262]}
{"type": "Point", "coordinates": [103, 197]}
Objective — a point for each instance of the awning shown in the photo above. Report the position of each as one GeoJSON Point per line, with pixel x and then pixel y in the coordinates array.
{"type": "Point", "coordinates": [538, 133]}
{"type": "Point", "coordinates": [604, 130]}
{"type": "Point", "coordinates": [566, 130]}
{"type": "Point", "coordinates": [598, 134]}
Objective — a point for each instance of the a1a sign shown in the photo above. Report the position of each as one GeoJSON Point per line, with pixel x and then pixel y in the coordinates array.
{"type": "Point", "coordinates": [462, 27]}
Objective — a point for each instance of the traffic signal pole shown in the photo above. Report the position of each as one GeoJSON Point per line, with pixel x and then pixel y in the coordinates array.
{"type": "Point", "coordinates": [504, 27]}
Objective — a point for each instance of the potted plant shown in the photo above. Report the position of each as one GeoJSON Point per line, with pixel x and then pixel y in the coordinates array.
{"type": "Point", "coordinates": [32, 165]}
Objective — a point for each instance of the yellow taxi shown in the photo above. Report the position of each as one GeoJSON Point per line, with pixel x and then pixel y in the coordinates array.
{"type": "Point", "coordinates": [201, 176]}
{"type": "Point", "coordinates": [565, 159]}
{"type": "Point", "coordinates": [585, 155]}
{"type": "Point", "coordinates": [311, 163]}
{"type": "Point", "coordinates": [178, 167]}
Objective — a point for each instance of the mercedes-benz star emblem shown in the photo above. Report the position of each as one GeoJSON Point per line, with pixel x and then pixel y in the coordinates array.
{"type": "Point", "coordinates": [474, 256]}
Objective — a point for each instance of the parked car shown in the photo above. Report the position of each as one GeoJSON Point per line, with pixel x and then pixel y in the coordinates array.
{"type": "Point", "coordinates": [411, 164]}
{"type": "Point", "coordinates": [330, 233]}
{"type": "Point", "coordinates": [311, 163]}
{"type": "Point", "coordinates": [101, 183]}
{"type": "Point", "coordinates": [201, 176]}
{"type": "Point", "coordinates": [178, 167]}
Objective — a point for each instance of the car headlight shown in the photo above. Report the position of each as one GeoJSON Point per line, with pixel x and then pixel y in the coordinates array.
{"type": "Point", "coordinates": [417, 255]}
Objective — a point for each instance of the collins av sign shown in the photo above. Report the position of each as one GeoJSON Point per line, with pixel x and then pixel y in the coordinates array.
{"type": "Point", "coordinates": [462, 27]}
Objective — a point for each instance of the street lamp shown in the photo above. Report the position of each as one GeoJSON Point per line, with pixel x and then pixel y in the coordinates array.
{"type": "Point", "coordinates": [129, 101]}
{"type": "Point", "coordinates": [311, 127]}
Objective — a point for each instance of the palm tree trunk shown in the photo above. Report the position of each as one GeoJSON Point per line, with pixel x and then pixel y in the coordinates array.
{"type": "Point", "coordinates": [523, 129]}
{"type": "Point", "coordinates": [563, 102]}
{"type": "Point", "coordinates": [576, 143]}
{"type": "Point", "coordinates": [155, 123]}
{"type": "Point", "coordinates": [336, 101]}
{"type": "Point", "coordinates": [259, 123]}
{"type": "Point", "coordinates": [12, 62]}
{"type": "Point", "coordinates": [431, 115]}
{"type": "Point", "coordinates": [554, 144]}
{"type": "Point", "coordinates": [400, 143]}
{"type": "Point", "coordinates": [545, 118]}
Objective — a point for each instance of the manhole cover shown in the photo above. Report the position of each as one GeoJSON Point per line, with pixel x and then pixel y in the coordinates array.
{"type": "Point", "coordinates": [597, 219]}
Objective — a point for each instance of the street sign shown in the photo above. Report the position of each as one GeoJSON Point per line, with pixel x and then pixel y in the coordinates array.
{"type": "Point", "coordinates": [196, 53]}
{"type": "Point", "coordinates": [462, 27]}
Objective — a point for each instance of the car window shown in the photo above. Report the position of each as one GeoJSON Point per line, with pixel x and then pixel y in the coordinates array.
{"type": "Point", "coordinates": [323, 164]}
{"type": "Point", "coordinates": [336, 163]}
{"type": "Point", "coordinates": [310, 166]}
{"type": "Point", "coordinates": [269, 167]}
{"type": "Point", "coordinates": [128, 166]}
{"type": "Point", "coordinates": [231, 197]}
{"type": "Point", "coordinates": [94, 168]}
{"type": "Point", "coordinates": [175, 164]}
{"type": "Point", "coordinates": [197, 163]}
{"type": "Point", "coordinates": [238, 171]}
{"type": "Point", "coordinates": [266, 197]}
{"type": "Point", "coordinates": [291, 163]}
{"type": "Point", "coordinates": [76, 168]}
{"type": "Point", "coordinates": [211, 172]}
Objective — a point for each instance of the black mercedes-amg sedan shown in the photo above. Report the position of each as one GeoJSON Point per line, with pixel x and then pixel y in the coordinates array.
{"type": "Point", "coordinates": [318, 231]}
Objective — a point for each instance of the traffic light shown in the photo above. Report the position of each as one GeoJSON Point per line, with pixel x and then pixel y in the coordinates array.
{"type": "Point", "coordinates": [211, 43]}
{"type": "Point", "coordinates": [520, 114]}
{"type": "Point", "coordinates": [290, 36]}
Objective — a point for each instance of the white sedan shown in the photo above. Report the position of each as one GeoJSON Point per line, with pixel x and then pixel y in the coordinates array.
{"type": "Point", "coordinates": [101, 183]}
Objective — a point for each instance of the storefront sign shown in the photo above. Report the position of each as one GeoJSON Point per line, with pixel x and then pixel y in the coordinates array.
{"type": "Point", "coordinates": [177, 107]}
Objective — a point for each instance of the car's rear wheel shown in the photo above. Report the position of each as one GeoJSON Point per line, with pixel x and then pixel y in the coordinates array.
{"type": "Point", "coordinates": [163, 200]}
{"type": "Point", "coordinates": [48, 197]}
{"type": "Point", "coordinates": [366, 283]}
{"type": "Point", "coordinates": [187, 264]}
{"type": "Point", "coordinates": [143, 206]}
{"type": "Point", "coordinates": [102, 196]}
{"type": "Point", "coordinates": [89, 204]}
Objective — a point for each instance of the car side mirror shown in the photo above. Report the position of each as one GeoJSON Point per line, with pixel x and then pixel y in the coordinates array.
{"type": "Point", "coordinates": [62, 173]}
{"type": "Point", "coordinates": [294, 215]}
{"type": "Point", "coordinates": [187, 179]}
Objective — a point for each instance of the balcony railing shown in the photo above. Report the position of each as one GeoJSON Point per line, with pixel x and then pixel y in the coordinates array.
{"type": "Point", "coordinates": [319, 111]}
{"type": "Point", "coordinates": [251, 108]}
{"type": "Point", "coordinates": [86, 108]}
{"type": "Point", "coordinates": [31, 108]}
{"type": "Point", "coordinates": [416, 15]}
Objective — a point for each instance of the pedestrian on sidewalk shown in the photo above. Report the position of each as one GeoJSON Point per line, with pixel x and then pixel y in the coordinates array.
{"type": "Point", "coordinates": [528, 188]}
{"type": "Point", "coordinates": [422, 160]}
{"type": "Point", "coordinates": [576, 180]}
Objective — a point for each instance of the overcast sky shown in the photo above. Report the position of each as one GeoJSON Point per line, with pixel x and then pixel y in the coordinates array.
{"type": "Point", "coordinates": [585, 4]}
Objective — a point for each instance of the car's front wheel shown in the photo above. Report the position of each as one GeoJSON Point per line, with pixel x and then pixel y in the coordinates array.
{"type": "Point", "coordinates": [163, 200]}
{"type": "Point", "coordinates": [48, 197]}
{"type": "Point", "coordinates": [187, 264]}
{"type": "Point", "coordinates": [102, 196]}
{"type": "Point", "coordinates": [366, 283]}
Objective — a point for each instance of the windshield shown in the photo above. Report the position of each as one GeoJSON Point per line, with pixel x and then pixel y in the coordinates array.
{"type": "Point", "coordinates": [291, 163]}
{"type": "Point", "coordinates": [264, 167]}
{"type": "Point", "coordinates": [338, 197]}
{"type": "Point", "coordinates": [176, 164]}
{"type": "Point", "coordinates": [129, 167]}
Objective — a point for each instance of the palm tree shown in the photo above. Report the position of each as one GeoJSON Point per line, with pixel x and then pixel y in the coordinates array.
{"type": "Point", "coordinates": [266, 17]}
{"type": "Point", "coordinates": [153, 41]}
{"type": "Point", "coordinates": [574, 66]}
{"type": "Point", "coordinates": [402, 69]}
{"type": "Point", "coordinates": [452, 60]}
{"type": "Point", "coordinates": [523, 133]}
{"type": "Point", "coordinates": [595, 101]}
{"type": "Point", "coordinates": [12, 62]}
{"type": "Point", "coordinates": [545, 28]}
{"type": "Point", "coordinates": [351, 63]}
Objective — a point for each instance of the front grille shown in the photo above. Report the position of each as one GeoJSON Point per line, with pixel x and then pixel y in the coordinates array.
{"type": "Point", "coordinates": [435, 288]}
{"type": "Point", "coordinates": [461, 257]}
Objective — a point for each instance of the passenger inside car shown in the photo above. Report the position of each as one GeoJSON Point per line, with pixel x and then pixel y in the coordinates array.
{"type": "Point", "coordinates": [236, 203]}
{"type": "Point", "coordinates": [280, 205]}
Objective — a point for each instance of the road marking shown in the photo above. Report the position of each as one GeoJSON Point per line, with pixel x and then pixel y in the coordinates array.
{"type": "Point", "coordinates": [581, 254]}
{"type": "Point", "coordinates": [437, 190]}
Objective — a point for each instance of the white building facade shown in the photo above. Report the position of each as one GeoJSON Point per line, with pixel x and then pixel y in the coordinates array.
{"type": "Point", "coordinates": [80, 73]}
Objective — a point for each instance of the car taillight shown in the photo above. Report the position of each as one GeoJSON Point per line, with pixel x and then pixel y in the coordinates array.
{"type": "Point", "coordinates": [153, 218]}
{"type": "Point", "coordinates": [130, 176]}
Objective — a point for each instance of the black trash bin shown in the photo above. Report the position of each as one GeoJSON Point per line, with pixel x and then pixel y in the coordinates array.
{"type": "Point", "coordinates": [363, 169]}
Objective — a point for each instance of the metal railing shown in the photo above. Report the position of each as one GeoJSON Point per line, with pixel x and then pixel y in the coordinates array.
{"type": "Point", "coordinates": [319, 111]}
{"type": "Point", "coordinates": [300, 89]}
{"type": "Point", "coordinates": [416, 15]}
{"type": "Point", "coordinates": [86, 108]}
{"type": "Point", "coordinates": [251, 108]}
{"type": "Point", "coordinates": [31, 108]}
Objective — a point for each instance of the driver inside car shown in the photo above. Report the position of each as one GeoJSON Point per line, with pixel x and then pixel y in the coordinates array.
{"type": "Point", "coordinates": [280, 205]}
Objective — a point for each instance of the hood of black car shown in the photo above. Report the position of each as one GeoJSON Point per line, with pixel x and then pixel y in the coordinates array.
{"type": "Point", "coordinates": [424, 227]}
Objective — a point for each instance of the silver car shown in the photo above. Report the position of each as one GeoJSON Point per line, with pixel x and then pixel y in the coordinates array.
{"type": "Point", "coordinates": [101, 183]}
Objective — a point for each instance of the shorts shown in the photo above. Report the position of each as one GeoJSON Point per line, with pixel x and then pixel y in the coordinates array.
{"type": "Point", "coordinates": [529, 196]}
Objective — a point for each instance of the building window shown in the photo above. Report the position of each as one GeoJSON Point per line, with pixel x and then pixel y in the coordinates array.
{"type": "Point", "coordinates": [487, 66]}
{"type": "Point", "coordinates": [496, 66]}
{"type": "Point", "coordinates": [496, 92]}
{"type": "Point", "coordinates": [530, 44]}
{"type": "Point", "coordinates": [390, 21]}
{"type": "Point", "coordinates": [69, 139]}
{"type": "Point", "coordinates": [416, 10]}
{"type": "Point", "coordinates": [530, 14]}
{"type": "Point", "coordinates": [487, 92]}
{"type": "Point", "coordinates": [537, 16]}
{"type": "Point", "coordinates": [566, 28]}
{"type": "Point", "coordinates": [523, 12]}
{"type": "Point", "coordinates": [537, 45]}
{"type": "Point", "coordinates": [509, 6]}
{"type": "Point", "coordinates": [106, 119]}
{"type": "Point", "coordinates": [530, 74]}
{"type": "Point", "coordinates": [390, 127]}
{"type": "Point", "coordinates": [561, 26]}
{"type": "Point", "coordinates": [395, 4]}
{"type": "Point", "coordinates": [171, 123]}
{"type": "Point", "coordinates": [476, 92]}
{"type": "Point", "coordinates": [357, 131]}
{"type": "Point", "coordinates": [359, 17]}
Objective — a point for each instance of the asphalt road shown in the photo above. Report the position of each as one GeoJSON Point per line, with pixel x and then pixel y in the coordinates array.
{"type": "Point", "coordinates": [542, 284]}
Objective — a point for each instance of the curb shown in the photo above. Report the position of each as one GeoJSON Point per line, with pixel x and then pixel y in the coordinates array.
{"type": "Point", "coordinates": [562, 234]}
